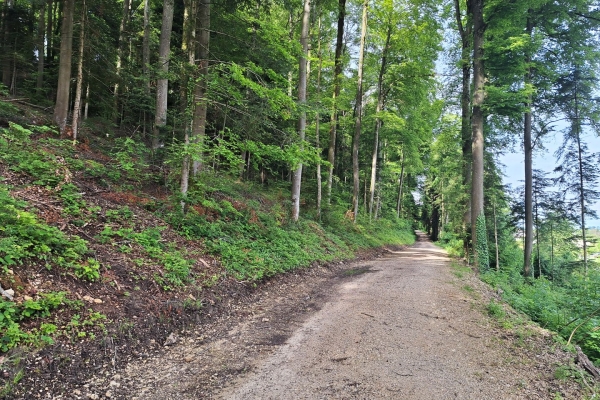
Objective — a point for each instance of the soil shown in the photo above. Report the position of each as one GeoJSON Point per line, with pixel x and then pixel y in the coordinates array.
{"type": "Point", "coordinates": [398, 326]}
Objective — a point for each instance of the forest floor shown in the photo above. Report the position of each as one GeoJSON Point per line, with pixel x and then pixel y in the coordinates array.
{"type": "Point", "coordinates": [411, 324]}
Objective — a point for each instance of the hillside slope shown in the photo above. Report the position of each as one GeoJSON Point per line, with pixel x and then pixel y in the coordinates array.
{"type": "Point", "coordinates": [99, 265]}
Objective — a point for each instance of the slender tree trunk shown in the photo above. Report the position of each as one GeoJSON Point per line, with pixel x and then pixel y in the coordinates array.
{"type": "Point", "coordinates": [378, 109]}
{"type": "Point", "coordinates": [297, 175]}
{"type": "Point", "coordinates": [552, 249]}
{"type": "Point", "coordinates": [477, 124]}
{"type": "Point", "coordinates": [41, 30]}
{"type": "Point", "coordinates": [528, 148]}
{"type": "Point", "coordinates": [359, 106]}
{"type": "Point", "coordinates": [318, 121]}
{"type": "Point", "coordinates": [581, 185]}
{"type": "Point", "coordinates": [50, 32]}
{"type": "Point", "coordinates": [162, 84]}
{"type": "Point", "coordinates": [188, 46]}
{"type": "Point", "coordinates": [79, 85]}
{"type": "Point", "coordinates": [61, 108]}
{"type": "Point", "coordinates": [7, 43]}
{"type": "Point", "coordinates": [146, 61]}
{"type": "Point", "coordinates": [339, 44]}
{"type": "Point", "coordinates": [401, 186]}
{"type": "Point", "coordinates": [87, 101]}
{"type": "Point", "coordinates": [122, 43]}
{"type": "Point", "coordinates": [146, 43]}
{"type": "Point", "coordinates": [200, 96]}
{"type": "Point", "coordinates": [496, 238]}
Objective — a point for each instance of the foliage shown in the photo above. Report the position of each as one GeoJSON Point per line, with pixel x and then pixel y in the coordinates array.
{"type": "Point", "coordinates": [558, 307]}
{"type": "Point", "coordinates": [482, 251]}
{"type": "Point", "coordinates": [11, 314]}
{"type": "Point", "coordinates": [176, 264]}
{"type": "Point", "coordinates": [23, 238]}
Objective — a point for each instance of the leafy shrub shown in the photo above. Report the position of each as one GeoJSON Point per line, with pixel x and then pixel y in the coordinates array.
{"type": "Point", "coordinates": [11, 314]}
{"type": "Point", "coordinates": [23, 237]}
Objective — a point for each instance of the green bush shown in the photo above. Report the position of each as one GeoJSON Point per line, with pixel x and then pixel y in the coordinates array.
{"type": "Point", "coordinates": [11, 314]}
{"type": "Point", "coordinates": [24, 238]}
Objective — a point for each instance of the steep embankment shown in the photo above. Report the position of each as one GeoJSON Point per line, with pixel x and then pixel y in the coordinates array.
{"type": "Point", "coordinates": [101, 266]}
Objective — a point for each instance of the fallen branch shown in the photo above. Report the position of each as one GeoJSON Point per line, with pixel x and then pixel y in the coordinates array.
{"type": "Point", "coordinates": [31, 105]}
{"type": "Point", "coordinates": [585, 362]}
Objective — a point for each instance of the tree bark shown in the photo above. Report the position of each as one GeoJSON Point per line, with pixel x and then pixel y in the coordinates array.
{"type": "Point", "coordinates": [401, 186]}
{"type": "Point", "coordinates": [162, 84]}
{"type": "Point", "coordinates": [79, 85]}
{"type": "Point", "coordinates": [318, 121]}
{"type": "Point", "coordinates": [297, 175]}
{"type": "Point", "coordinates": [581, 183]}
{"type": "Point", "coordinates": [496, 238]}
{"type": "Point", "coordinates": [188, 46]}
{"type": "Point", "coordinates": [359, 106]}
{"type": "Point", "coordinates": [7, 43]}
{"type": "Point", "coordinates": [61, 108]}
{"type": "Point", "coordinates": [200, 95]}
{"type": "Point", "coordinates": [121, 44]}
{"type": "Point", "coordinates": [465, 32]}
{"type": "Point", "coordinates": [41, 30]}
{"type": "Point", "coordinates": [378, 109]}
{"type": "Point", "coordinates": [477, 122]}
{"type": "Point", "coordinates": [339, 44]}
{"type": "Point", "coordinates": [50, 32]}
{"type": "Point", "coordinates": [528, 149]}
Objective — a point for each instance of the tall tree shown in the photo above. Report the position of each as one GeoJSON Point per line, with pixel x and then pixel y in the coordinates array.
{"type": "Point", "coordinates": [337, 71]}
{"type": "Point", "coordinates": [79, 82]}
{"type": "Point", "coordinates": [201, 88]}
{"type": "Point", "coordinates": [465, 29]}
{"type": "Point", "coordinates": [297, 174]}
{"type": "Point", "coordinates": [61, 107]}
{"type": "Point", "coordinates": [477, 216]}
{"type": "Point", "coordinates": [162, 84]}
{"type": "Point", "coordinates": [359, 111]}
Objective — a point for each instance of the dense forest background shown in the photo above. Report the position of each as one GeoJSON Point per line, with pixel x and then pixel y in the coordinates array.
{"type": "Point", "coordinates": [372, 115]}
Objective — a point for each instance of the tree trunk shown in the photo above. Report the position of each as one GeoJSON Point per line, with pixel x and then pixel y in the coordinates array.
{"type": "Point", "coordinates": [336, 93]}
{"type": "Point", "coordinates": [146, 43]}
{"type": "Point", "coordinates": [79, 85]}
{"type": "Point", "coordinates": [7, 43]}
{"type": "Point", "coordinates": [87, 102]}
{"type": "Point", "coordinates": [359, 106]}
{"type": "Point", "coordinates": [162, 84]}
{"type": "Point", "coordinates": [478, 138]}
{"type": "Point", "coordinates": [496, 239]}
{"type": "Point", "coordinates": [41, 30]}
{"type": "Point", "coordinates": [188, 46]}
{"type": "Point", "coordinates": [50, 32]}
{"type": "Point", "coordinates": [528, 149]}
{"type": "Point", "coordinates": [200, 99]}
{"type": "Point", "coordinates": [318, 121]}
{"type": "Point", "coordinates": [465, 32]}
{"type": "Point", "coordinates": [302, 78]}
{"type": "Point", "coordinates": [581, 185]}
{"type": "Point", "coordinates": [121, 44]}
{"type": "Point", "coordinates": [378, 109]}
{"type": "Point", "coordinates": [401, 185]}
{"type": "Point", "coordinates": [61, 108]}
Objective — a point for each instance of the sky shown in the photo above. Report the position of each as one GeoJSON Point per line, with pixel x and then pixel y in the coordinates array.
{"type": "Point", "coordinates": [545, 160]}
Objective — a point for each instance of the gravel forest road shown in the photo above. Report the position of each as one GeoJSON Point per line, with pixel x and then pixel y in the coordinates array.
{"type": "Point", "coordinates": [404, 326]}
{"type": "Point", "coordinates": [400, 331]}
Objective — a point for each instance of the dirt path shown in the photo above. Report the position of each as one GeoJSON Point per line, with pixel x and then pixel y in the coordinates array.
{"type": "Point", "coordinates": [400, 331]}
{"type": "Point", "coordinates": [398, 327]}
